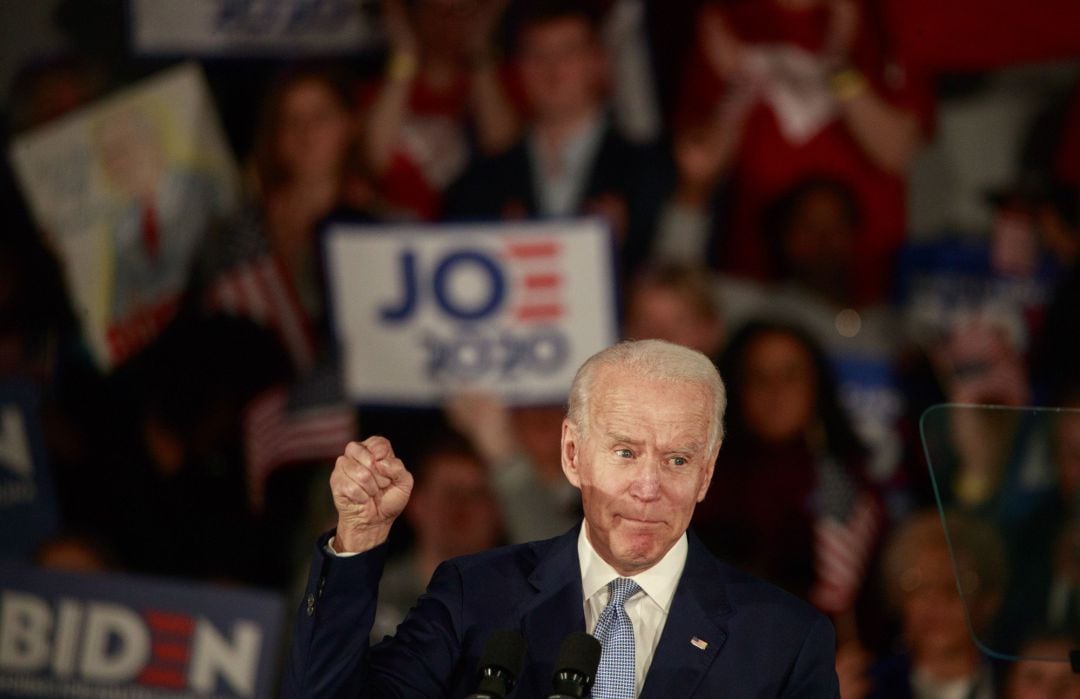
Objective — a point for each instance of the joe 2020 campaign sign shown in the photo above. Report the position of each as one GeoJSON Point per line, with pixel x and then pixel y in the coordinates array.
{"type": "Point", "coordinates": [511, 308]}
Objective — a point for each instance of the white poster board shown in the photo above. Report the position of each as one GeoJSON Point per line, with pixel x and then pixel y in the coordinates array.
{"type": "Point", "coordinates": [205, 28]}
{"type": "Point", "coordinates": [513, 309]}
{"type": "Point", "coordinates": [125, 189]}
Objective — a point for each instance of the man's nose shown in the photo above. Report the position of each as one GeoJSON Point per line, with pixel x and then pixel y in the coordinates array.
{"type": "Point", "coordinates": [646, 485]}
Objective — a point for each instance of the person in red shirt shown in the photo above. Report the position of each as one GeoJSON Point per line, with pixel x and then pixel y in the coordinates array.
{"type": "Point", "coordinates": [807, 87]}
{"type": "Point", "coordinates": [441, 77]}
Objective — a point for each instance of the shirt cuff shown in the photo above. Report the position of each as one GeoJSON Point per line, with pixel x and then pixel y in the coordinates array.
{"type": "Point", "coordinates": [329, 548]}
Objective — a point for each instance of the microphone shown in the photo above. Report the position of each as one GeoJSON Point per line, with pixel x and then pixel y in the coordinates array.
{"type": "Point", "coordinates": [500, 664]}
{"type": "Point", "coordinates": [575, 670]}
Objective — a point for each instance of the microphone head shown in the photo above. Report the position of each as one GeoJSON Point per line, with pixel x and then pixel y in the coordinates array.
{"type": "Point", "coordinates": [505, 649]}
{"type": "Point", "coordinates": [579, 655]}
{"type": "Point", "coordinates": [500, 664]}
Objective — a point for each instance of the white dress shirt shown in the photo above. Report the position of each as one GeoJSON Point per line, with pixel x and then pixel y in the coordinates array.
{"type": "Point", "coordinates": [647, 609]}
{"type": "Point", "coordinates": [560, 178]}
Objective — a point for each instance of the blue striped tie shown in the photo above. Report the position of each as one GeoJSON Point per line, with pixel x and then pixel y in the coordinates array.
{"type": "Point", "coordinates": [614, 630]}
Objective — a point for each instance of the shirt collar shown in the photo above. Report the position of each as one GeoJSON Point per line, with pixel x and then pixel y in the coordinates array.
{"type": "Point", "coordinates": [658, 582]}
{"type": "Point", "coordinates": [576, 150]}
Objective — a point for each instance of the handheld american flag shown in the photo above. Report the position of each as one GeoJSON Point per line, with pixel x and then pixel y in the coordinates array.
{"type": "Point", "coordinates": [277, 434]}
{"type": "Point", "coordinates": [260, 289]}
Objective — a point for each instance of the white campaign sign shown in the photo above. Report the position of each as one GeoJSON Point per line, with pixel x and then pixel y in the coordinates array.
{"type": "Point", "coordinates": [251, 27]}
{"type": "Point", "coordinates": [125, 189]}
{"type": "Point", "coordinates": [511, 308]}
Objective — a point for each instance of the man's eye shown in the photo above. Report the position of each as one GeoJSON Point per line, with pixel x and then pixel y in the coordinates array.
{"type": "Point", "coordinates": [679, 460]}
{"type": "Point", "coordinates": [624, 453]}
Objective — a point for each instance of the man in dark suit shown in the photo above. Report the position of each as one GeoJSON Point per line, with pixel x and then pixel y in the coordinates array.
{"type": "Point", "coordinates": [641, 435]}
{"type": "Point", "coordinates": [572, 161]}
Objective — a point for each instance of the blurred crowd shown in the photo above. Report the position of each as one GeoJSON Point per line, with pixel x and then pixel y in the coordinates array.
{"type": "Point", "coordinates": [752, 160]}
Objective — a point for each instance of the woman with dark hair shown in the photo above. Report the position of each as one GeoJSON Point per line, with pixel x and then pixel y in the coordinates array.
{"type": "Point", "coordinates": [305, 166]}
{"type": "Point", "coordinates": [789, 500]}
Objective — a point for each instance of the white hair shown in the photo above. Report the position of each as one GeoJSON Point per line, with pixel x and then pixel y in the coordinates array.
{"type": "Point", "coordinates": [656, 360]}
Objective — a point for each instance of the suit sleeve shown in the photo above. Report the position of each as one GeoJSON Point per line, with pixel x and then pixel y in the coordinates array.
{"type": "Point", "coordinates": [330, 654]}
{"type": "Point", "coordinates": [814, 672]}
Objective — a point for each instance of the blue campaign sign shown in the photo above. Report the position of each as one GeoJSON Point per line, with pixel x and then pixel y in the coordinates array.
{"type": "Point", "coordinates": [943, 283]}
{"type": "Point", "coordinates": [27, 505]}
{"type": "Point", "coordinates": [118, 636]}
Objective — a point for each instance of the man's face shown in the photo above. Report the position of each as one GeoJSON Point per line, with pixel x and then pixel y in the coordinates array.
{"type": "Point", "coordinates": [562, 68]}
{"type": "Point", "coordinates": [932, 612]}
{"type": "Point", "coordinates": [667, 314]}
{"type": "Point", "coordinates": [131, 153]}
{"type": "Point", "coordinates": [641, 467]}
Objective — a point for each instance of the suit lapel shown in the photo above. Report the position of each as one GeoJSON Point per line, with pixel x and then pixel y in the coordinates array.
{"type": "Point", "coordinates": [554, 611]}
{"type": "Point", "coordinates": [695, 629]}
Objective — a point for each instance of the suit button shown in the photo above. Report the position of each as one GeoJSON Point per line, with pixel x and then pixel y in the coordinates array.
{"type": "Point", "coordinates": [322, 584]}
{"type": "Point", "coordinates": [310, 604]}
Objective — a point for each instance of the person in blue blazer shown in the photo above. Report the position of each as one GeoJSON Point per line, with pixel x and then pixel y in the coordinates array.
{"type": "Point", "coordinates": [643, 428]}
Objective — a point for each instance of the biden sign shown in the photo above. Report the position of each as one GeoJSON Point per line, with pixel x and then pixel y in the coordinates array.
{"type": "Point", "coordinates": [122, 637]}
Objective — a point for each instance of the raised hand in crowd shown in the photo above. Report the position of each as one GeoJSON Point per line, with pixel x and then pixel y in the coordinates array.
{"type": "Point", "coordinates": [399, 30]}
{"type": "Point", "coordinates": [485, 421]}
{"type": "Point", "coordinates": [497, 122]}
{"type": "Point", "coordinates": [702, 154]}
{"type": "Point", "coordinates": [852, 666]}
{"type": "Point", "coordinates": [526, 476]}
{"type": "Point", "coordinates": [484, 21]}
{"type": "Point", "coordinates": [371, 487]}
{"type": "Point", "coordinates": [385, 115]}
{"type": "Point", "coordinates": [888, 135]}
{"type": "Point", "coordinates": [442, 76]}
{"type": "Point", "coordinates": [843, 29]}
{"type": "Point", "coordinates": [723, 49]}
{"type": "Point", "coordinates": [979, 364]}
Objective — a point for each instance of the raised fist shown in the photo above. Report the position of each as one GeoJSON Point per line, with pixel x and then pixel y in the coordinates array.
{"type": "Point", "coordinates": [371, 488]}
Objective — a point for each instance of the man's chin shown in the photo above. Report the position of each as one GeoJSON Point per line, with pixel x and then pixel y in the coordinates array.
{"type": "Point", "coordinates": [640, 550]}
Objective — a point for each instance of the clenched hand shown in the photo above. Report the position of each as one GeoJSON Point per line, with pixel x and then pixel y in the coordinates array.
{"type": "Point", "coordinates": [371, 488]}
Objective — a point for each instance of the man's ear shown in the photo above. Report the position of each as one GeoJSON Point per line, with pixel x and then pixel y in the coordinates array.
{"type": "Point", "coordinates": [571, 448]}
{"type": "Point", "coordinates": [710, 467]}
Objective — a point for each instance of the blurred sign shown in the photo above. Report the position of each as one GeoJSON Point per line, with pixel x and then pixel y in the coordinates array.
{"type": "Point", "coordinates": [27, 507]}
{"type": "Point", "coordinates": [510, 308]}
{"type": "Point", "coordinates": [246, 27]}
{"type": "Point", "coordinates": [77, 635]}
{"type": "Point", "coordinates": [126, 189]}
{"type": "Point", "coordinates": [946, 284]}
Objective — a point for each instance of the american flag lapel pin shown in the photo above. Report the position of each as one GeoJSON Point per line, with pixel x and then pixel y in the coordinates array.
{"type": "Point", "coordinates": [698, 643]}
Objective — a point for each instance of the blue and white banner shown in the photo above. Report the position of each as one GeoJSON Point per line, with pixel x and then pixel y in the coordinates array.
{"type": "Point", "coordinates": [207, 28]}
{"type": "Point", "coordinates": [115, 637]}
{"type": "Point", "coordinates": [422, 311]}
{"type": "Point", "coordinates": [27, 505]}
